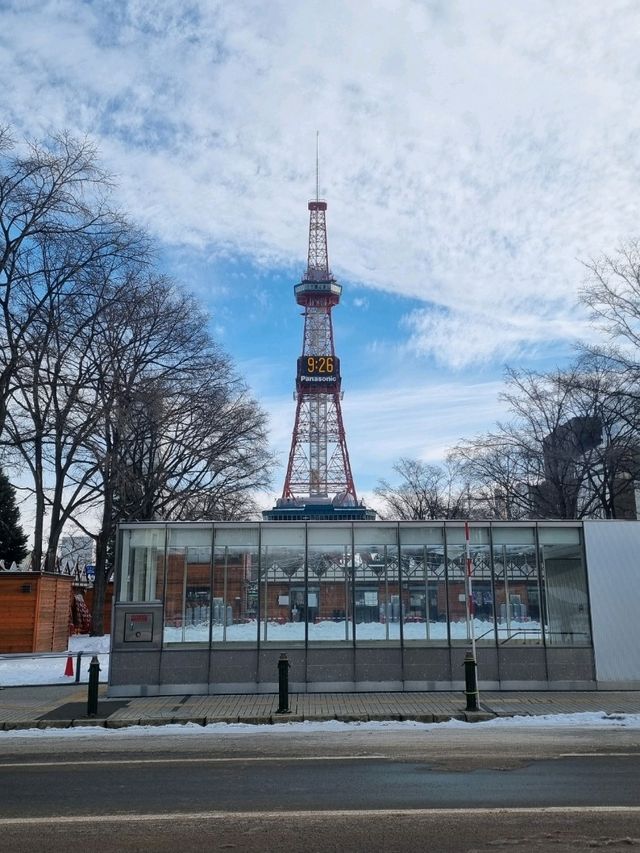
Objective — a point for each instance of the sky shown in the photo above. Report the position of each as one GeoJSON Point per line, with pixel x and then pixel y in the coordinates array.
{"type": "Point", "coordinates": [473, 155]}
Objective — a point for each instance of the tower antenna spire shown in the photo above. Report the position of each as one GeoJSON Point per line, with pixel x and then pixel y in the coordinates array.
{"type": "Point", "coordinates": [317, 165]}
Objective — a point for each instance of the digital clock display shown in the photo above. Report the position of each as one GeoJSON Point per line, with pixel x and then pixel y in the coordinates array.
{"type": "Point", "coordinates": [318, 370]}
{"type": "Point", "coordinates": [319, 364]}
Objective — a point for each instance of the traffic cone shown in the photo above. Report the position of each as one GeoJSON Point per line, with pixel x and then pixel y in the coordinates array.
{"type": "Point", "coordinates": [68, 670]}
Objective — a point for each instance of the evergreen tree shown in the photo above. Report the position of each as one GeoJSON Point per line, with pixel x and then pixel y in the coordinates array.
{"type": "Point", "coordinates": [13, 540]}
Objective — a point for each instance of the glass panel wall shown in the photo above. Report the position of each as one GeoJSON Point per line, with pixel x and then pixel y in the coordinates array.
{"type": "Point", "coordinates": [377, 607]}
{"type": "Point", "coordinates": [424, 584]}
{"type": "Point", "coordinates": [517, 585]}
{"type": "Point", "coordinates": [187, 595]}
{"type": "Point", "coordinates": [480, 608]}
{"type": "Point", "coordinates": [329, 573]}
{"type": "Point", "coordinates": [142, 564]}
{"type": "Point", "coordinates": [283, 585]}
{"type": "Point", "coordinates": [235, 603]}
{"type": "Point", "coordinates": [290, 583]}
{"type": "Point", "coordinates": [565, 587]}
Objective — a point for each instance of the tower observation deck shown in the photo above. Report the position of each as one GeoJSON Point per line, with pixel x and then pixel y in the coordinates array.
{"type": "Point", "coordinates": [318, 483]}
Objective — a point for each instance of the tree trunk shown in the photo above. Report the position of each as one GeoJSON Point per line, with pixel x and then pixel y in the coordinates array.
{"type": "Point", "coordinates": [99, 590]}
{"type": "Point", "coordinates": [3, 409]}
{"type": "Point", "coordinates": [54, 538]}
{"type": "Point", "coordinates": [36, 554]}
{"type": "Point", "coordinates": [102, 568]}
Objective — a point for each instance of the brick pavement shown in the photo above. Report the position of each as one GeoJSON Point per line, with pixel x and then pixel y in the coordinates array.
{"type": "Point", "coordinates": [65, 705]}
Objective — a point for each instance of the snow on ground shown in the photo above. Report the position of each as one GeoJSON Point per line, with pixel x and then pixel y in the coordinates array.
{"type": "Point", "coordinates": [592, 719]}
{"type": "Point", "coordinates": [84, 643]}
{"type": "Point", "coordinates": [48, 668]}
{"type": "Point", "coordinates": [332, 630]}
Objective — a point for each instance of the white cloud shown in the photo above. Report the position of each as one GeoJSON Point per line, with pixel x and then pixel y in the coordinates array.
{"type": "Point", "coordinates": [457, 337]}
{"type": "Point", "coordinates": [471, 152]}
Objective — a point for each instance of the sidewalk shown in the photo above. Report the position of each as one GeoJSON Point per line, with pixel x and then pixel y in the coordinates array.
{"type": "Point", "coordinates": [62, 706]}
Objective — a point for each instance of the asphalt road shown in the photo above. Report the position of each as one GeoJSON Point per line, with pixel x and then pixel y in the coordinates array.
{"type": "Point", "coordinates": [448, 790]}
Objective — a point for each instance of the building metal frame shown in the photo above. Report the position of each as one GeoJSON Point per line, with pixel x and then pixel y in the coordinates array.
{"type": "Point", "coordinates": [378, 649]}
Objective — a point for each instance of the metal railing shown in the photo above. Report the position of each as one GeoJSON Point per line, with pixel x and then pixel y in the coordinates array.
{"type": "Point", "coordinates": [572, 635]}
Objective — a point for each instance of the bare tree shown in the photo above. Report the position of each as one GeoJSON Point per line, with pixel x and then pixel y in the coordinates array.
{"type": "Point", "coordinates": [112, 392]}
{"type": "Point", "coordinates": [556, 440]}
{"type": "Point", "coordinates": [423, 492]}
{"type": "Point", "coordinates": [612, 291]}
{"type": "Point", "coordinates": [55, 223]}
{"type": "Point", "coordinates": [607, 398]}
{"type": "Point", "coordinates": [569, 451]}
{"type": "Point", "coordinates": [55, 409]}
{"type": "Point", "coordinates": [196, 446]}
{"type": "Point", "coordinates": [178, 434]}
{"type": "Point", "coordinates": [496, 476]}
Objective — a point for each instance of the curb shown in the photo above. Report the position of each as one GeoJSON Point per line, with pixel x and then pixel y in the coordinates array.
{"type": "Point", "coordinates": [478, 716]}
{"type": "Point", "coordinates": [259, 720]}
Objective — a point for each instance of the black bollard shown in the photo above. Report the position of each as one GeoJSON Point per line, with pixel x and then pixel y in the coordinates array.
{"type": "Point", "coordinates": [283, 685]}
{"type": "Point", "coordinates": [94, 677]}
{"type": "Point", "coordinates": [471, 681]}
{"type": "Point", "coordinates": [78, 659]}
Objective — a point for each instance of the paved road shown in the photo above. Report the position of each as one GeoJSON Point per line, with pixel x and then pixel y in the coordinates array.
{"type": "Point", "coordinates": [443, 790]}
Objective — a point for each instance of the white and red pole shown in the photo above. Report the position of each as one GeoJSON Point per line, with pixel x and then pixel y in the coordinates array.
{"type": "Point", "coordinates": [470, 662]}
{"type": "Point", "coordinates": [469, 565]}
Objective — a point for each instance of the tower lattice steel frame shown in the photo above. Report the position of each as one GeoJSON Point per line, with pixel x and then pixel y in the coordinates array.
{"type": "Point", "coordinates": [319, 468]}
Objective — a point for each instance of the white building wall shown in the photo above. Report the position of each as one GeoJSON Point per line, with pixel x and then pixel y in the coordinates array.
{"type": "Point", "coordinates": [613, 568]}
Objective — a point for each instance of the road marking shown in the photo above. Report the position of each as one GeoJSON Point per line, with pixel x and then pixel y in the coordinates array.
{"type": "Point", "coordinates": [597, 754]}
{"type": "Point", "coordinates": [249, 760]}
{"type": "Point", "coordinates": [315, 814]}
{"type": "Point", "coordinates": [16, 765]}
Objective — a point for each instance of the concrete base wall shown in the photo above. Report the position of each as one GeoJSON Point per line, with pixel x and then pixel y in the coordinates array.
{"type": "Point", "coordinates": [204, 671]}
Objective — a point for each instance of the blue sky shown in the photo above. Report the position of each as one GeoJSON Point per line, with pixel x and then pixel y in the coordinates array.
{"type": "Point", "coordinates": [472, 154]}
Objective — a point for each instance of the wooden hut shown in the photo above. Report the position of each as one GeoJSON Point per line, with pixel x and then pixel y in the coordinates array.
{"type": "Point", "coordinates": [34, 612]}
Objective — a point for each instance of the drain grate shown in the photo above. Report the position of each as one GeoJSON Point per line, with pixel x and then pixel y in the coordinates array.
{"type": "Point", "coordinates": [78, 711]}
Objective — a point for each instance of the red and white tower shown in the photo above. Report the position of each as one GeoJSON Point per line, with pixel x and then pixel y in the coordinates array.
{"type": "Point", "coordinates": [318, 472]}
{"type": "Point", "coordinates": [319, 466]}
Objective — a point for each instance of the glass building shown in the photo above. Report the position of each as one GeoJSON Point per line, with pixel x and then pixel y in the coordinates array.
{"type": "Point", "coordinates": [209, 607]}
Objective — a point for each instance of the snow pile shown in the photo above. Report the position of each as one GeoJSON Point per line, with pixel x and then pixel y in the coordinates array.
{"type": "Point", "coordinates": [594, 719]}
{"type": "Point", "coordinates": [83, 643]}
{"type": "Point", "coordinates": [591, 719]}
{"type": "Point", "coordinates": [19, 670]}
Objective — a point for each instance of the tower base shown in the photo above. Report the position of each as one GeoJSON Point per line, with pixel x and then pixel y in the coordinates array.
{"type": "Point", "coordinates": [310, 509]}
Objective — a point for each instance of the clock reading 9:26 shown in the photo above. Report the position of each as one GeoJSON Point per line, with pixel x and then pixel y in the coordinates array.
{"type": "Point", "coordinates": [319, 364]}
{"type": "Point", "coordinates": [320, 370]}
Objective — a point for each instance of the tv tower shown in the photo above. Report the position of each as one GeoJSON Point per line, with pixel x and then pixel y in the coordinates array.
{"type": "Point", "coordinates": [318, 483]}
